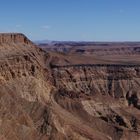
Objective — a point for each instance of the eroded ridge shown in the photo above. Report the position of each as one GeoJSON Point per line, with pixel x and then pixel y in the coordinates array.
{"type": "Point", "coordinates": [14, 38]}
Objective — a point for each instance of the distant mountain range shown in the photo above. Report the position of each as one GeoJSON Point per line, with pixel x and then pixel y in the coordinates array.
{"type": "Point", "coordinates": [82, 46]}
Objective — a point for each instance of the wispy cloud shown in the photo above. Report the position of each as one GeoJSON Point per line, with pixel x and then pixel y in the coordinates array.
{"type": "Point", "coordinates": [46, 27]}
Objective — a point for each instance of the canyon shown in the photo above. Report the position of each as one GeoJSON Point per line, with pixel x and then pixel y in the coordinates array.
{"type": "Point", "coordinates": [82, 91]}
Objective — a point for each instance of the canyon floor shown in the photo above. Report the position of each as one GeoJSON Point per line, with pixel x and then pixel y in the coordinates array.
{"type": "Point", "coordinates": [69, 91]}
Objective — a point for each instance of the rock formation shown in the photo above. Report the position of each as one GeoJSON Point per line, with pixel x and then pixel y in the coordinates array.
{"type": "Point", "coordinates": [49, 96]}
{"type": "Point", "coordinates": [24, 88]}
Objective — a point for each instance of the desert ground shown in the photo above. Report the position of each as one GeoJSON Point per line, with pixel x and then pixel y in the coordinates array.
{"type": "Point", "coordinates": [69, 90]}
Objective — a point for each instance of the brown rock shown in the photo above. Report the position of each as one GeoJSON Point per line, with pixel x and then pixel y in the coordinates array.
{"type": "Point", "coordinates": [51, 96]}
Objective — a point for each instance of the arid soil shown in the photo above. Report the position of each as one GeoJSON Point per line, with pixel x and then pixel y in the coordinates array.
{"type": "Point", "coordinates": [75, 95]}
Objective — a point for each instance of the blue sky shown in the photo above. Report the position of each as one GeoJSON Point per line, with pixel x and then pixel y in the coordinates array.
{"type": "Point", "coordinates": [87, 20]}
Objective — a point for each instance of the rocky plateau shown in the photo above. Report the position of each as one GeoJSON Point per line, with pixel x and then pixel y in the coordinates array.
{"type": "Point", "coordinates": [85, 93]}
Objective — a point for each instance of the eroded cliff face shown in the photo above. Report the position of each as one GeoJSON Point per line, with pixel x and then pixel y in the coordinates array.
{"type": "Point", "coordinates": [105, 98]}
{"type": "Point", "coordinates": [39, 101]}
{"type": "Point", "coordinates": [9, 38]}
{"type": "Point", "coordinates": [113, 80]}
{"type": "Point", "coordinates": [24, 88]}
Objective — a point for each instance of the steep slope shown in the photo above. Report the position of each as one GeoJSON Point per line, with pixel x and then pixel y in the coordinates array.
{"type": "Point", "coordinates": [24, 89]}
{"type": "Point", "coordinates": [105, 98]}
{"type": "Point", "coordinates": [27, 108]}
{"type": "Point", "coordinates": [51, 96]}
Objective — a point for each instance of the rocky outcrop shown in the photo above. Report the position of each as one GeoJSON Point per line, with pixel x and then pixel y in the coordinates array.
{"type": "Point", "coordinates": [83, 77]}
{"type": "Point", "coordinates": [14, 38]}
{"type": "Point", "coordinates": [41, 100]}
{"type": "Point", "coordinates": [102, 96]}
{"type": "Point", "coordinates": [24, 88]}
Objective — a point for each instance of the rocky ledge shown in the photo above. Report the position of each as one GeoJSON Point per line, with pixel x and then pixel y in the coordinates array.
{"type": "Point", "coordinates": [14, 38]}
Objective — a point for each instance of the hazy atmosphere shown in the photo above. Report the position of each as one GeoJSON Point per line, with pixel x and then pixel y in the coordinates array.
{"type": "Point", "coordinates": [88, 20]}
